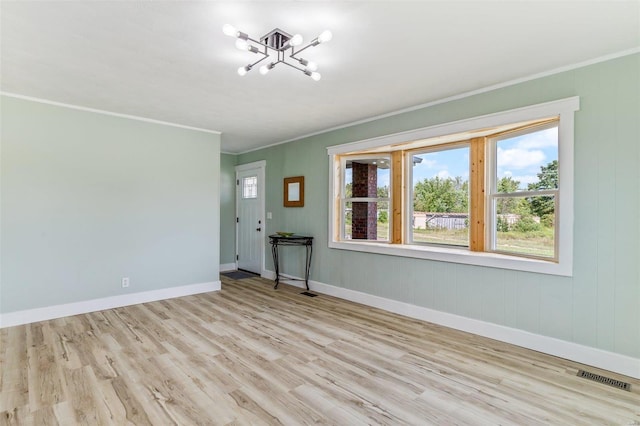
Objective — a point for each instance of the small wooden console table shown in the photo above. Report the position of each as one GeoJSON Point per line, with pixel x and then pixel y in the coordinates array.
{"type": "Point", "coordinates": [294, 240]}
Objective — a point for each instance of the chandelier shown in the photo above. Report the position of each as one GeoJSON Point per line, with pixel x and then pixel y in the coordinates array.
{"type": "Point", "coordinates": [283, 45]}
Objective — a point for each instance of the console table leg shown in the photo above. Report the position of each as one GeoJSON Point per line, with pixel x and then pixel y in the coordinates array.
{"type": "Point", "coordinates": [308, 265]}
{"type": "Point", "coordinates": [274, 251]}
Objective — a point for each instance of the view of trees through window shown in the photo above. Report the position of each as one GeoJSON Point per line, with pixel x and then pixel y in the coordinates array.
{"type": "Point", "coordinates": [526, 192]}
{"type": "Point", "coordinates": [524, 221]}
{"type": "Point", "coordinates": [525, 224]}
{"type": "Point", "coordinates": [441, 202]}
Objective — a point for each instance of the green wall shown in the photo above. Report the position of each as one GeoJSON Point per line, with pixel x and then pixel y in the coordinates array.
{"type": "Point", "coordinates": [597, 307]}
{"type": "Point", "coordinates": [90, 198]}
{"type": "Point", "coordinates": [227, 208]}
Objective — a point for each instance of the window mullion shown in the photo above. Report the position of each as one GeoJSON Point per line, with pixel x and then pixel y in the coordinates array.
{"type": "Point", "coordinates": [477, 234]}
{"type": "Point", "coordinates": [397, 197]}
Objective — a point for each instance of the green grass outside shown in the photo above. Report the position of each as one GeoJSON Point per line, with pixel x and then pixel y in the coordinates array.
{"type": "Point", "coordinates": [536, 243]}
{"type": "Point", "coordinates": [454, 237]}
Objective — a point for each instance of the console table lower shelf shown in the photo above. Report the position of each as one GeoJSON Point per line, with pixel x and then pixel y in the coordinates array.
{"type": "Point", "coordinates": [278, 241]}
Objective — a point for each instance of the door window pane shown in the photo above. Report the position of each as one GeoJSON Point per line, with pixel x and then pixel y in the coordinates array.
{"type": "Point", "coordinates": [250, 187]}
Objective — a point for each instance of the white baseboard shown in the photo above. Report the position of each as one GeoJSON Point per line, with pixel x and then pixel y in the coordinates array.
{"type": "Point", "coordinates": [599, 358]}
{"type": "Point", "coordinates": [225, 267]}
{"type": "Point", "coordinates": [51, 312]}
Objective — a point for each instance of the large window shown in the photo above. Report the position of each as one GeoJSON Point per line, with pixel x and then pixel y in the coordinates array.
{"type": "Point", "coordinates": [493, 191]}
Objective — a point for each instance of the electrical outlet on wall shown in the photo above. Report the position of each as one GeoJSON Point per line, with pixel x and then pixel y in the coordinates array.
{"type": "Point", "coordinates": [125, 282]}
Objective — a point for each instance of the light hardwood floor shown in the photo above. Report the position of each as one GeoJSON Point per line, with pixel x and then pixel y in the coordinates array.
{"type": "Point", "coordinates": [252, 355]}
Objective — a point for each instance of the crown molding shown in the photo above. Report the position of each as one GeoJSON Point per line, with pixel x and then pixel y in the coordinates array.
{"type": "Point", "coordinates": [113, 114]}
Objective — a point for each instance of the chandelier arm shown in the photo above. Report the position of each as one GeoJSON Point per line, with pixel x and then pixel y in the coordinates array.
{"type": "Point", "coordinates": [261, 44]}
{"type": "Point", "coordinates": [293, 54]}
{"type": "Point", "coordinates": [297, 52]}
{"type": "Point", "coordinates": [264, 54]}
{"type": "Point", "coordinates": [293, 66]}
{"type": "Point", "coordinates": [297, 59]}
{"type": "Point", "coordinates": [258, 61]}
{"type": "Point", "coordinates": [257, 41]}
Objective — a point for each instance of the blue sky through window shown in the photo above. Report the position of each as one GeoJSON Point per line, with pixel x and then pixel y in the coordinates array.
{"type": "Point", "coordinates": [444, 164]}
{"type": "Point", "coordinates": [520, 157]}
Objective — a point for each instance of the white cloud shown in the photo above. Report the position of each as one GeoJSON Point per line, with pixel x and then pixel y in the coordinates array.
{"type": "Point", "coordinates": [433, 166]}
{"type": "Point", "coordinates": [443, 168]}
{"type": "Point", "coordinates": [427, 163]}
{"type": "Point", "coordinates": [542, 139]}
{"type": "Point", "coordinates": [516, 158]}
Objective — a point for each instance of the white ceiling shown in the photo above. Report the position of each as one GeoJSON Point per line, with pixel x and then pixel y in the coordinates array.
{"type": "Point", "coordinates": [169, 61]}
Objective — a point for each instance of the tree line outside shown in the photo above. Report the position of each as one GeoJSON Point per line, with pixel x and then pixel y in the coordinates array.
{"type": "Point", "coordinates": [524, 224]}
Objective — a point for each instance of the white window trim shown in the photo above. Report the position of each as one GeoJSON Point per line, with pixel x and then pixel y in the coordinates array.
{"type": "Point", "coordinates": [564, 109]}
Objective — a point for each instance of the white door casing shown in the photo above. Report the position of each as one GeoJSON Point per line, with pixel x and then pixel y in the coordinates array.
{"type": "Point", "coordinates": [250, 221]}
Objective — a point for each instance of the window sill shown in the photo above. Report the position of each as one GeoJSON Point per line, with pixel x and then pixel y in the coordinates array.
{"type": "Point", "coordinates": [458, 255]}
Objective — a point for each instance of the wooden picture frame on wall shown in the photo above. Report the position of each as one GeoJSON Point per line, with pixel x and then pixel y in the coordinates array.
{"type": "Point", "coordinates": [294, 191]}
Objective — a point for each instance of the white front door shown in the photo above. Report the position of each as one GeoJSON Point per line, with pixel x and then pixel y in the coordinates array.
{"type": "Point", "coordinates": [250, 217]}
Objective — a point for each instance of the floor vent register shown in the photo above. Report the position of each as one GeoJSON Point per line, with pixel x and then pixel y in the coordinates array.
{"type": "Point", "coordinates": [605, 380]}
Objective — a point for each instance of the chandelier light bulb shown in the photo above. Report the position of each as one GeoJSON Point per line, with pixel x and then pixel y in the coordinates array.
{"type": "Point", "coordinates": [309, 65]}
{"type": "Point", "coordinates": [229, 30]}
{"type": "Point", "coordinates": [296, 40]}
{"type": "Point", "coordinates": [242, 71]}
{"type": "Point", "coordinates": [325, 36]}
{"type": "Point", "coordinates": [265, 68]}
{"type": "Point", "coordinates": [242, 44]}
{"type": "Point", "coordinates": [316, 76]}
